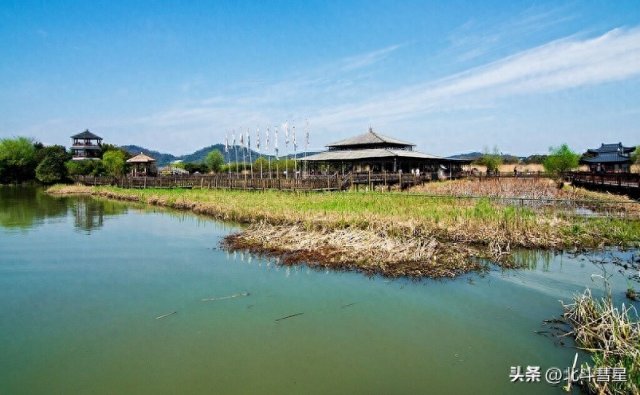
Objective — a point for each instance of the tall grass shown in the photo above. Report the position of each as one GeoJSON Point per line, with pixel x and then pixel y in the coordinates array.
{"type": "Point", "coordinates": [470, 221]}
{"type": "Point", "coordinates": [611, 335]}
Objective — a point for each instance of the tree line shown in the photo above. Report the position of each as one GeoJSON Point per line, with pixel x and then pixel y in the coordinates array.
{"type": "Point", "coordinates": [24, 160]}
{"type": "Point", "coordinates": [559, 160]}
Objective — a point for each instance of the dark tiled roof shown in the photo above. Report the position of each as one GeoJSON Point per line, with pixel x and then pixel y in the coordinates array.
{"type": "Point", "coordinates": [608, 157]}
{"type": "Point", "coordinates": [86, 135]}
{"type": "Point", "coordinates": [616, 147]}
{"type": "Point", "coordinates": [369, 138]}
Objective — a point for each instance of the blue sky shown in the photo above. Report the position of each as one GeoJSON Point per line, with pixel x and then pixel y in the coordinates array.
{"type": "Point", "coordinates": [452, 76]}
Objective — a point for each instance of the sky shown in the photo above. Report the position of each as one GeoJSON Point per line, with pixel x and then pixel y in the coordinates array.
{"type": "Point", "coordinates": [449, 76]}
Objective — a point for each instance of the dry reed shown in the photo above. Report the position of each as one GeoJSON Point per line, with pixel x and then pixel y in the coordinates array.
{"type": "Point", "coordinates": [612, 335]}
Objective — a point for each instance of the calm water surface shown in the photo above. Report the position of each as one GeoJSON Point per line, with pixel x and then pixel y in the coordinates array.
{"type": "Point", "coordinates": [83, 280]}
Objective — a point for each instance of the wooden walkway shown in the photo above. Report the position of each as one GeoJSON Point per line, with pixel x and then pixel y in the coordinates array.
{"type": "Point", "coordinates": [331, 182]}
{"type": "Point", "coordinates": [621, 183]}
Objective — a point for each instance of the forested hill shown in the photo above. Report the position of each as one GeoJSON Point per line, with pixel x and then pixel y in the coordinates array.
{"type": "Point", "coordinates": [164, 159]}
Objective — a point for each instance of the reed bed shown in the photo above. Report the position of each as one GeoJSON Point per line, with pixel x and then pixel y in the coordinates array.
{"type": "Point", "coordinates": [362, 250]}
{"type": "Point", "coordinates": [534, 192]}
{"type": "Point", "coordinates": [487, 229]}
{"type": "Point", "coordinates": [612, 335]}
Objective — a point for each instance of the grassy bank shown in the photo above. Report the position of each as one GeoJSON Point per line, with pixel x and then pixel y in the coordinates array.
{"type": "Point", "coordinates": [398, 234]}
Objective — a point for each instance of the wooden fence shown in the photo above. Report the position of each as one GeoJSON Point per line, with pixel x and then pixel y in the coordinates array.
{"type": "Point", "coordinates": [625, 183]}
{"type": "Point", "coordinates": [630, 180]}
{"type": "Point", "coordinates": [327, 182]}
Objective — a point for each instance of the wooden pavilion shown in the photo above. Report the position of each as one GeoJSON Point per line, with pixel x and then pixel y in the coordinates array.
{"type": "Point", "coordinates": [377, 153]}
{"type": "Point", "coordinates": [142, 165]}
{"type": "Point", "coordinates": [86, 145]}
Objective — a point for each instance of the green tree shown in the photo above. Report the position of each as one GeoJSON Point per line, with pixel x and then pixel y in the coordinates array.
{"type": "Point", "coordinates": [52, 165]}
{"type": "Point", "coordinates": [261, 161]}
{"type": "Point", "coordinates": [196, 167]}
{"type": "Point", "coordinates": [85, 167]}
{"type": "Point", "coordinates": [491, 159]}
{"type": "Point", "coordinates": [17, 160]}
{"type": "Point", "coordinates": [560, 160]}
{"type": "Point", "coordinates": [635, 156]}
{"type": "Point", "coordinates": [104, 148]}
{"type": "Point", "coordinates": [114, 162]}
{"type": "Point", "coordinates": [214, 160]}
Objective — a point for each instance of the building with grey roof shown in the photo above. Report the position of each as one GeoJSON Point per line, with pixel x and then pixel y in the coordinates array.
{"type": "Point", "coordinates": [375, 152]}
{"type": "Point", "coordinates": [86, 145]}
{"type": "Point", "coordinates": [609, 158]}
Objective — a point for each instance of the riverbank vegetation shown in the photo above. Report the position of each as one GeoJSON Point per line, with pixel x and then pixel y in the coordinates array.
{"type": "Point", "coordinates": [612, 336]}
{"type": "Point", "coordinates": [535, 193]}
{"type": "Point", "coordinates": [23, 160]}
{"type": "Point", "coordinates": [389, 233]}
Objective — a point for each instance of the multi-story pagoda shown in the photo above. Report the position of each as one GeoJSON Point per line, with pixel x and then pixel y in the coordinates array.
{"type": "Point", "coordinates": [86, 145]}
{"type": "Point", "coordinates": [609, 158]}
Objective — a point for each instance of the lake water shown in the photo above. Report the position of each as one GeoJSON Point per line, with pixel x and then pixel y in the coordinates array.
{"type": "Point", "coordinates": [83, 280]}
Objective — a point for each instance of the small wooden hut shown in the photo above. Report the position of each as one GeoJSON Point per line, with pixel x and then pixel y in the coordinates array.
{"type": "Point", "coordinates": [142, 165]}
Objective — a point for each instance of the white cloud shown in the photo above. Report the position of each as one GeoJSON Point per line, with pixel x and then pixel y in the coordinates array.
{"type": "Point", "coordinates": [562, 64]}
{"type": "Point", "coordinates": [340, 97]}
{"type": "Point", "coordinates": [364, 60]}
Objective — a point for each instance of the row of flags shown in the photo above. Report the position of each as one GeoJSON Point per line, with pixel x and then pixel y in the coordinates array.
{"type": "Point", "coordinates": [245, 138]}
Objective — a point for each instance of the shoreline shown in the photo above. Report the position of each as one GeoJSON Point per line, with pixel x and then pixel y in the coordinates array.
{"type": "Point", "coordinates": [388, 244]}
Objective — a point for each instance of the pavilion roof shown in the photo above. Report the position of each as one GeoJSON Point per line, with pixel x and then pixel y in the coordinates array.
{"type": "Point", "coordinates": [369, 138]}
{"type": "Point", "coordinates": [141, 158]}
{"type": "Point", "coordinates": [373, 153]}
{"type": "Point", "coordinates": [615, 147]}
{"type": "Point", "coordinates": [608, 157]}
{"type": "Point", "coordinates": [86, 135]}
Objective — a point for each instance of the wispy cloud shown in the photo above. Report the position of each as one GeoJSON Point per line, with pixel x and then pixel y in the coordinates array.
{"type": "Point", "coordinates": [567, 63]}
{"type": "Point", "coordinates": [476, 38]}
{"type": "Point", "coordinates": [332, 98]}
{"type": "Point", "coordinates": [367, 59]}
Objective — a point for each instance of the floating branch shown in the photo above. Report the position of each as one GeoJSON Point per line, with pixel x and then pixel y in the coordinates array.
{"type": "Point", "coordinates": [166, 315]}
{"type": "Point", "coordinates": [289, 316]}
{"type": "Point", "coordinates": [226, 297]}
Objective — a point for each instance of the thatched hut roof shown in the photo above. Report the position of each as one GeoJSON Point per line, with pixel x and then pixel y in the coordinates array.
{"type": "Point", "coordinates": [141, 158]}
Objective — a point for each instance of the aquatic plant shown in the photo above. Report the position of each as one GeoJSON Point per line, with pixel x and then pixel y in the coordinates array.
{"type": "Point", "coordinates": [612, 335]}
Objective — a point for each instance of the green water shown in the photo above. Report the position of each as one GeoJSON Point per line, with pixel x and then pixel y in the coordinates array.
{"type": "Point", "coordinates": [82, 282]}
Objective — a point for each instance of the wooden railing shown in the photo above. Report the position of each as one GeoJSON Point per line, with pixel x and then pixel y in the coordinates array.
{"type": "Point", "coordinates": [320, 182]}
{"type": "Point", "coordinates": [627, 180]}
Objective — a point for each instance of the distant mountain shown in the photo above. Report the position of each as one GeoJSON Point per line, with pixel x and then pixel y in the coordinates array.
{"type": "Point", "coordinates": [163, 159]}
{"type": "Point", "coordinates": [468, 156]}
{"type": "Point", "coordinates": [506, 158]}
{"type": "Point", "coordinates": [202, 153]}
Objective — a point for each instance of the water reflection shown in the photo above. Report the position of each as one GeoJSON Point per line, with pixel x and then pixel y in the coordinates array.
{"type": "Point", "coordinates": [89, 213]}
{"type": "Point", "coordinates": [533, 259]}
{"type": "Point", "coordinates": [25, 208]}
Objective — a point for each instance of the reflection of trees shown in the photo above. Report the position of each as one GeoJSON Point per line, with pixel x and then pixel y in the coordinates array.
{"type": "Point", "coordinates": [24, 207]}
{"type": "Point", "coordinates": [89, 213]}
